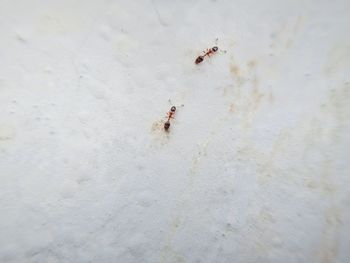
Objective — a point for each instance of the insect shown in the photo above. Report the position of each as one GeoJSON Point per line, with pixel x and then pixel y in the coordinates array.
{"type": "Point", "coordinates": [170, 116]}
{"type": "Point", "coordinates": [208, 52]}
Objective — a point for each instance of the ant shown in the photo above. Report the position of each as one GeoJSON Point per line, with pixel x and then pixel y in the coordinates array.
{"type": "Point", "coordinates": [208, 52]}
{"type": "Point", "coordinates": [170, 116]}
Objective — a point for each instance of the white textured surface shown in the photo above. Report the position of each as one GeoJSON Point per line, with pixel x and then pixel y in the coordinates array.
{"type": "Point", "coordinates": [256, 167]}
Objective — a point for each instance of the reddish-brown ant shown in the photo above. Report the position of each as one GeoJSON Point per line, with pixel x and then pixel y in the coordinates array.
{"type": "Point", "coordinates": [170, 116]}
{"type": "Point", "coordinates": [209, 51]}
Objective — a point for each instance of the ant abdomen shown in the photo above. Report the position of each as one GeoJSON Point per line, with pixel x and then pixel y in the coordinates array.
{"type": "Point", "coordinates": [199, 59]}
{"type": "Point", "coordinates": [166, 125]}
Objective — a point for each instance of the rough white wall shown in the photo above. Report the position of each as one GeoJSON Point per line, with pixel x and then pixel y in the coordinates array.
{"type": "Point", "coordinates": [256, 166]}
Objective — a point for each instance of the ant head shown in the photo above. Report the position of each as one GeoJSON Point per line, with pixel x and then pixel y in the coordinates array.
{"type": "Point", "coordinates": [215, 48]}
{"type": "Point", "coordinates": [173, 109]}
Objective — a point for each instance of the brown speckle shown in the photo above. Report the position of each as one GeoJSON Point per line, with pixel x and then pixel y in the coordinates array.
{"type": "Point", "coordinates": [252, 64]}
{"type": "Point", "coordinates": [236, 74]}
{"type": "Point", "coordinates": [232, 108]}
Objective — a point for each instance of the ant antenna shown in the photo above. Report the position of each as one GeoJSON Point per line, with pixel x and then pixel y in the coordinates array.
{"type": "Point", "coordinates": [221, 50]}
{"type": "Point", "coordinates": [169, 100]}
